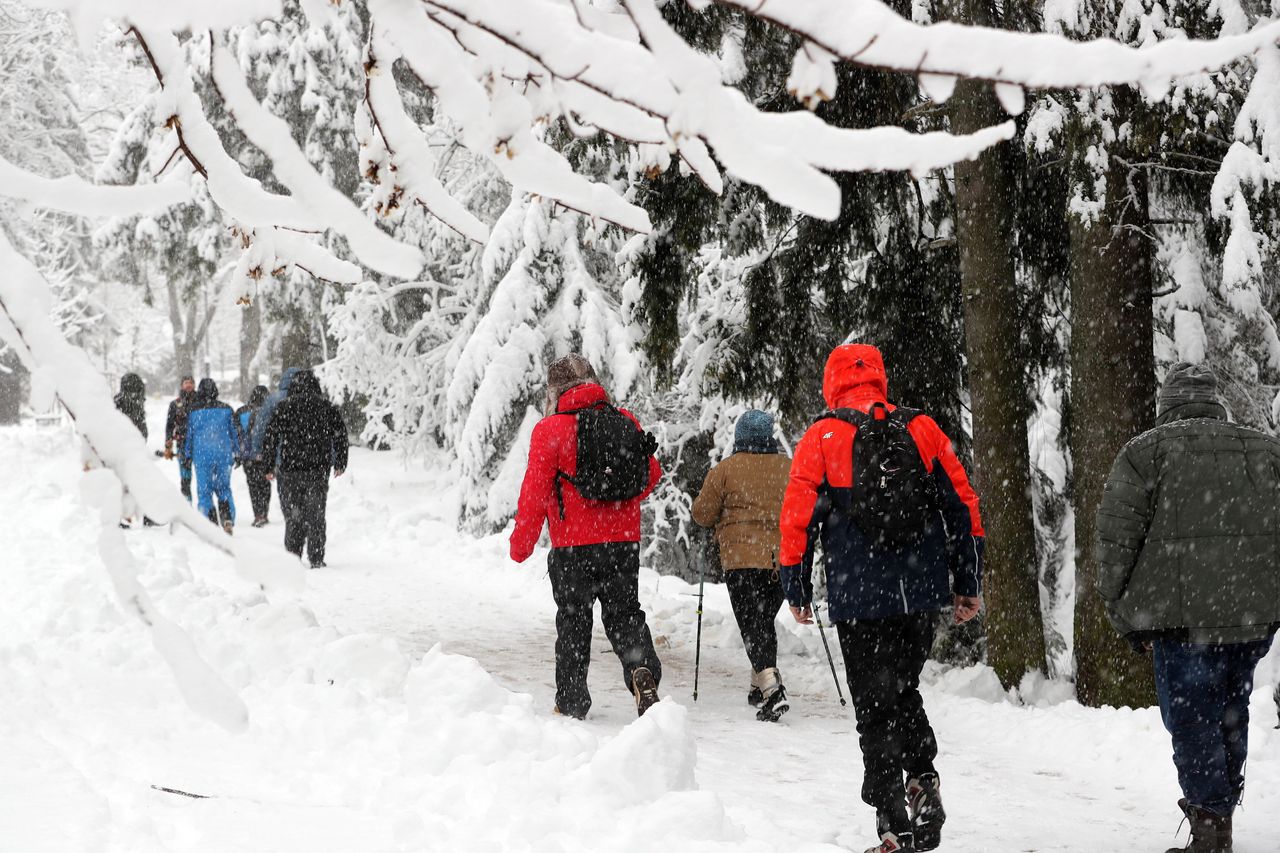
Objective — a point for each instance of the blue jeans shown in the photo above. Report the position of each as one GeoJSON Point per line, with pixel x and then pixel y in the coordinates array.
{"type": "Point", "coordinates": [1204, 701]}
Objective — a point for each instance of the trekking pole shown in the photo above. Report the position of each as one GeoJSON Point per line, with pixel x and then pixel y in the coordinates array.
{"type": "Point", "coordinates": [823, 633]}
{"type": "Point", "coordinates": [697, 655]}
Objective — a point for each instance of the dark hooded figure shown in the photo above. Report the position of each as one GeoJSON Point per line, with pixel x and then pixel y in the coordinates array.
{"type": "Point", "coordinates": [307, 435]}
{"type": "Point", "coordinates": [132, 401]}
{"type": "Point", "coordinates": [175, 431]}
{"type": "Point", "coordinates": [210, 448]}
{"type": "Point", "coordinates": [255, 472]}
{"type": "Point", "coordinates": [1189, 567]}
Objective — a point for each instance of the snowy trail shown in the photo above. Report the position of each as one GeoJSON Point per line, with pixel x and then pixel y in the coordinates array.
{"type": "Point", "coordinates": [356, 746]}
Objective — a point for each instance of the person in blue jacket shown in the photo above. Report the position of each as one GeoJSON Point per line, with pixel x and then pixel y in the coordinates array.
{"type": "Point", "coordinates": [210, 448]}
{"type": "Point", "coordinates": [255, 472]}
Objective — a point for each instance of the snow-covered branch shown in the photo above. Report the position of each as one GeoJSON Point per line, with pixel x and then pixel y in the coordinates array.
{"type": "Point", "coordinates": [74, 195]}
{"type": "Point", "coordinates": [868, 32]}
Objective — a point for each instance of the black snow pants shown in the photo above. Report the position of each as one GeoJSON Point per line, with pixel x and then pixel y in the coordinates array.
{"type": "Point", "coordinates": [308, 495]}
{"type": "Point", "coordinates": [581, 574]}
{"type": "Point", "coordinates": [756, 597]}
{"type": "Point", "coordinates": [883, 659]}
{"type": "Point", "coordinates": [255, 474]}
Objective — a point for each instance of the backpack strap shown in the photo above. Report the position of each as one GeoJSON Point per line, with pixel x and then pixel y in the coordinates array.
{"type": "Point", "coordinates": [859, 418]}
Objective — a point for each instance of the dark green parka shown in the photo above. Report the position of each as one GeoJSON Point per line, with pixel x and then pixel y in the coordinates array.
{"type": "Point", "coordinates": [1189, 526]}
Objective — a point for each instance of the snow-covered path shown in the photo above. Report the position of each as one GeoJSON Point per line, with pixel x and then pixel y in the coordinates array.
{"type": "Point", "coordinates": [364, 739]}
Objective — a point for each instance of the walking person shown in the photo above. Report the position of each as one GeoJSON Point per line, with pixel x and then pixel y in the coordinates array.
{"type": "Point", "coordinates": [742, 499]}
{"type": "Point", "coordinates": [307, 435]}
{"type": "Point", "coordinates": [590, 466]}
{"type": "Point", "coordinates": [210, 448]}
{"type": "Point", "coordinates": [1189, 567]}
{"type": "Point", "coordinates": [882, 488]}
{"type": "Point", "coordinates": [255, 471]}
{"type": "Point", "coordinates": [175, 431]}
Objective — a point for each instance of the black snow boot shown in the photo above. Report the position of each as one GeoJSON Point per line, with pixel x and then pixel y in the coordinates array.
{"type": "Point", "coordinates": [774, 696]}
{"type": "Point", "coordinates": [1210, 833]}
{"type": "Point", "coordinates": [924, 801]}
{"type": "Point", "coordinates": [895, 833]}
{"type": "Point", "coordinates": [645, 688]}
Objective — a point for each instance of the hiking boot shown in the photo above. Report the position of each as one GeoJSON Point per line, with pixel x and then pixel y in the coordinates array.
{"type": "Point", "coordinates": [924, 802]}
{"type": "Point", "coordinates": [259, 522]}
{"type": "Point", "coordinates": [894, 833]}
{"type": "Point", "coordinates": [775, 703]}
{"type": "Point", "coordinates": [319, 564]}
{"type": "Point", "coordinates": [755, 697]}
{"type": "Point", "coordinates": [645, 688]}
{"type": "Point", "coordinates": [228, 527]}
{"type": "Point", "coordinates": [556, 710]}
{"type": "Point", "coordinates": [1210, 832]}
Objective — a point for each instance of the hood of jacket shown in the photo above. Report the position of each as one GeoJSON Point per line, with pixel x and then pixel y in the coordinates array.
{"type": "Point", "coordinates": [131, 385]}
{"type": "Point", "coordinates": [303, 382]}
{"type": "Point", "coordinates": [258, 396]}
{"type": "Point", "coordinates": [207, 390]}
{"type": "Point", "coordinates": [854, 376]}
{"type": "Point", "coordinates": [1189, 391]}
{"type": "Point", "coordinates": [582, 396]}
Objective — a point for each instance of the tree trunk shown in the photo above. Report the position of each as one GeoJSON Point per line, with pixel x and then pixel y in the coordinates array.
{"type": "Point", "coordinates": [1113, 399]}
{"type": "Point", "coordinates": [985, 191]}
{"type": "Point", "coordinates": [250, 337]}
{"type": "Point", "coordinates": [13, 377]}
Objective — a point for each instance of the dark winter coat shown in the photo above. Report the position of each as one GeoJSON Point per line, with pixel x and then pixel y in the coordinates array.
{"type": "Point", "coordinates": [864, 582]}
{"type": "Point", "coordinates": [306, 430]}
{"type": "Point", "coordinates": [274, 399]}
{"type": "Point", "coordinates": [742, 499]}
{"type": "Point", "coordinates": [1188, 531]}
{"type": "Point", "coordinates": [175, 422]}
{"type": "Point", "coordinates": [211, 434]}
{"type": "Point", "coordinates": [553, 449]}
{"type": "Point", "coordinates": [132, 401]}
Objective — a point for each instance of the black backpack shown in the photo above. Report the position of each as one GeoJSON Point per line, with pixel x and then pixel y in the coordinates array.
{"type": "Point", "coordinates": [893, 496]}
{"type": "Point", "coordinates": [613, 455]}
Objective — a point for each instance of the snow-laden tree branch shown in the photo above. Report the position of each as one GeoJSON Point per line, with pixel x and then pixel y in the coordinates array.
{"type": "Point", "coordinates": [77, 196]}
{"type": "Point", "coordinates": [868, 32]}
{"type": "Point", "coordinates": [502, 70]}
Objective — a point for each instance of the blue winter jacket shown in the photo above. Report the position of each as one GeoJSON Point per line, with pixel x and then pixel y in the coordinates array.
{"type": "Point", "coordinates": [212, 437]}
{"type": "Point", "coordinates": [268, 408]}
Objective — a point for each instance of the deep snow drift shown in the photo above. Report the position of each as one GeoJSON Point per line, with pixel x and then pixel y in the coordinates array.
{"type": "Point", "coordinates": [403, 702]}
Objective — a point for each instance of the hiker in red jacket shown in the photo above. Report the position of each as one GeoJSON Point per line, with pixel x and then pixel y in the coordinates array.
{"type": "Point", "coordinates": [590, 466]}
{"type": "Point", "coordinates": [902, 540]}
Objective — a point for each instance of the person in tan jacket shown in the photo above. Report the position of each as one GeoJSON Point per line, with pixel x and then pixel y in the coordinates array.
{"type": "Point", "coordinates": [742, 498]}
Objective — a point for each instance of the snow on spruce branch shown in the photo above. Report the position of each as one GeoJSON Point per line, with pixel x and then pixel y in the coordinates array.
{"type": "Point", "coordinates": [74, 195]}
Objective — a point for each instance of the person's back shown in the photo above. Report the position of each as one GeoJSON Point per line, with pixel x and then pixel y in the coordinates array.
{"type": "Point", "coordinates": [211, 437]}
{"type": "Point", "coordinates": [306, 430]}
{"type": "Point", "coordinates": [1189, 568]}
{"type": "Point", "coordinates": [752, 486]}
{"type": "Point", "coordinates": [1189, 531]}
{"type": "Point", "coordinates": [132, 401]}
{"type": "Point", "coordinates": [274, 399]}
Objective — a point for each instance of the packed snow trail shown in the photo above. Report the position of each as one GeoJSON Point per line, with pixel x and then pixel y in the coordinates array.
{"type": "Point", "coordinates": [365, 737]}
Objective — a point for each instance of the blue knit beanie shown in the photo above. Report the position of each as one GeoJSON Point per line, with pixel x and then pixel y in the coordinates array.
{"type": "Point", "coordinates": [754, 433]}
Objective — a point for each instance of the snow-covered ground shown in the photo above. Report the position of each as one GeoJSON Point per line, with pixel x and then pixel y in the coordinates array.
{"type": "Point", "coordinates": [403, 703]}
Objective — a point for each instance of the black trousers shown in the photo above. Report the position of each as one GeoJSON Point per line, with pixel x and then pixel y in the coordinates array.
{"type": "Point", "coordinates": [883, 659]}
{"type": "Point", "coordinates": [579, 576]}
{"type": "Point", "coordinates": [308, 496]}
{"type": "Point", "coordinates": [756, 597]}
{"type": "Point", "coordinates": [255, 474]}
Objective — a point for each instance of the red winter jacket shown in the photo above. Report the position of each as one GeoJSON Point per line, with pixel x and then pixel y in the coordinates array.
{"type": "Point", "coordinates": [863, 582]}
{"type": "Point", "coordinates": [552, 449]}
